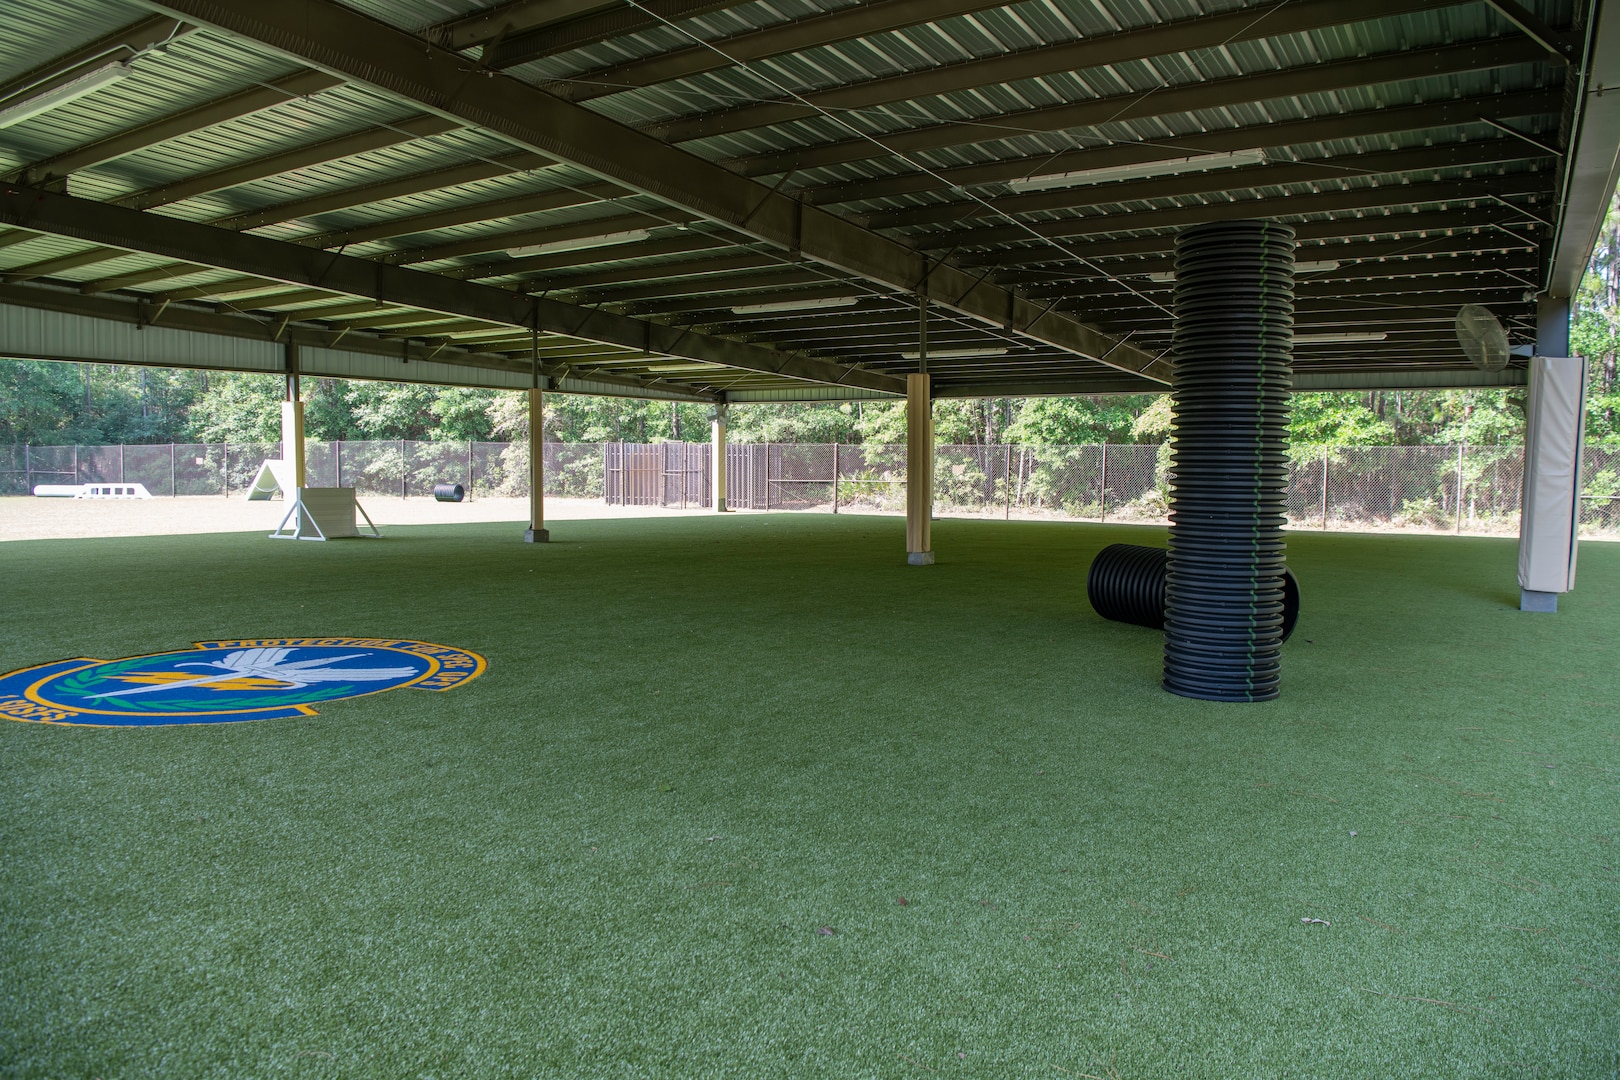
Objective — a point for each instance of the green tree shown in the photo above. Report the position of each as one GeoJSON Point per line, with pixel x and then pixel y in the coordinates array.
{"type": "Point", "coordinates": [1068, 421]}
{"type": "Point", "coordinates": [41, 402]}
{"type": "Point", "coordinates": [1337, 419]}
{"type": "Point", "coordinates": [239, 407]}
{"type": "Point", "coordinates": [1595, 331]}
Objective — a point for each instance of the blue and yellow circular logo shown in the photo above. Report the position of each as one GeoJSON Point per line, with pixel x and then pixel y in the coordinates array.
{"type": "Point", "coordinates": [224, 681]}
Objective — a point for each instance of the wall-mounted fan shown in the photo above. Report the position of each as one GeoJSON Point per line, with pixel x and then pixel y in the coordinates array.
{"type": "Point", "coordinates": [1482, 338]}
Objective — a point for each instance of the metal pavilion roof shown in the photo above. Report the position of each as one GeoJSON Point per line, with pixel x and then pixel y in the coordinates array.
{"type": "Point", "coordinates": [762, 200]}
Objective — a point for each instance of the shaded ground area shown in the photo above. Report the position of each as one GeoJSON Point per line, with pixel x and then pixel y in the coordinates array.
{"type": "Point", "coordinates": [668, 832]}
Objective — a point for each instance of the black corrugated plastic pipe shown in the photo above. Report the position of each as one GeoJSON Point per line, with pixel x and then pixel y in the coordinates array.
{"type": "Point", "coordinates": [1126, 584]}
{"type": "Point", "coordinates": [1233, 363]}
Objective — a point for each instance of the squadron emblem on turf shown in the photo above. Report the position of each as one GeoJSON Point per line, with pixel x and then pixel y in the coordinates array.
{"type": "Point", "coordinates": [225, 681]}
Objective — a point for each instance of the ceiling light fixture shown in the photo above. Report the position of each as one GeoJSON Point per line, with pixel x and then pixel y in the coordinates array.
{"type": "Point", "coordinates": [629, 236]}
{"type": "Point", "coordinates": [1299, 268]}
{"type": "Point", "coordinates": [688, 366]}
{"type": "Point", "coordinates": [1346, 338]}
{"type": "Point", "coordinates": [953, 354]}
{"type": "Point", "coordinates": [796, 305]}
{"type": "Point", "coordinates": [1142, 170]}
{"type": "Point", "coordinates": [30, 104]}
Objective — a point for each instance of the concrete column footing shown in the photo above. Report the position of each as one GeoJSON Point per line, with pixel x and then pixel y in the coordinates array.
{"type": "Point", "coordinates": [1531, 600]}
{"type": "Point", "coordinates": [537, 536]}
{"type": "Point", "coordinates": [920, 558]}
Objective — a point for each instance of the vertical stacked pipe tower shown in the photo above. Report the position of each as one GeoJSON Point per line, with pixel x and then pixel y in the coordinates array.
{"type": "Point", "coordinates": [1233, 353]}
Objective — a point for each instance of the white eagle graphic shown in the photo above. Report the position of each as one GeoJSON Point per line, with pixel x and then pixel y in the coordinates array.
{"type": "Point", "coordinates": [273, 664]}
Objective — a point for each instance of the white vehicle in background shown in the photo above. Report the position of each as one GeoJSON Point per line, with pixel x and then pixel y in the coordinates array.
{"type": "Point", "coordinates": [92, 491]}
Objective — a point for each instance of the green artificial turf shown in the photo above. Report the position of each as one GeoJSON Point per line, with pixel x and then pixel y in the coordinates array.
{"type": "Point", "coordinates": [702, 743]}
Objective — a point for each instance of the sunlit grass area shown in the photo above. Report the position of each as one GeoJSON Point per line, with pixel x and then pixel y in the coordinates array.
{"type": "Point", "coordinates": [749, 797]}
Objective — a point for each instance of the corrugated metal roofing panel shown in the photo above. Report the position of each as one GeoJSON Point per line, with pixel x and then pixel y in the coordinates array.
{"type": "Point", "coordinates": [192, 71]}
{"type": "Point", "coordinates": [55, 335]}
{"type": "Point", "coordinates": [38, 29]}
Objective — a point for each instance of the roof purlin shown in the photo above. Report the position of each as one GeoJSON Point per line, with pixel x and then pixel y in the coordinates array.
{"type": "Point", "coordinates": [345, 42]}
{"type": "Point", "coordinates": [64, 215]}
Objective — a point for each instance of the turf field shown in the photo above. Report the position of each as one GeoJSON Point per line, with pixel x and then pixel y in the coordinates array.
{"type": "Point", "coordinates": [668, 833]}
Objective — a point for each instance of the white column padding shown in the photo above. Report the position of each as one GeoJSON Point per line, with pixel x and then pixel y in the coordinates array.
{"type": "Point", "coordinates": [292, 443]}
{"type": "Point", "coordinates": [1549, 520]}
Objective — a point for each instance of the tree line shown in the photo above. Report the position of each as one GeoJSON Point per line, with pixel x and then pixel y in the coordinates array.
{"type": "Point", "coordinates": [49, 403]}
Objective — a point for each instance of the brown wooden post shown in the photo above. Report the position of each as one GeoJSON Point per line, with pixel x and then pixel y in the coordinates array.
{"type": "Point", "coordinates": [919, 470]}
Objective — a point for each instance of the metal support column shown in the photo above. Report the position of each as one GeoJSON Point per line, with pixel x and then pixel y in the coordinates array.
{"type": "Point", "coordinates": [536, 533]}
{"type": "Point", "coordinates": [1555, 413]}
{"type": "Point", "coordinates": [717, 456]}
{"type": "Point", "coordinates": [919, 471]}
{"type": "Point", "coordinates": [1006, 482]}
{"type": "Point", "coordinates": [835, 478]}
{"type": "Point", "coordinates": [292, 424]}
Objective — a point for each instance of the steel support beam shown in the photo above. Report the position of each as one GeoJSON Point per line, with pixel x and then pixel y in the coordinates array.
{"type": "Point", "coordinates": [1195, 97]}
{"type": "Point", "coordinates": [415, 359]}
{"type": "Point", "coordinates": [99, 223]}
{"type": "Point", "coordinates": [414, 184]}
{"type": "Point", "coordinates": [515, 17]}
{"type": "Point", "coordinates": [1183, 35]}
{"type": "Point", "coordinates": [813, 31]}
{"type": "Point", "coordinates": [118, 45]}
{"type": "Point", "coordinates": [1377, 210]}
{"type": "Point", "coordinates": [1594, 159]}
{"type": "Point", "coordinates": [1328, 170]}
{"type": "Point", "coordinates": [588, 29]}
{"type": "Point", "coordinates": [335, 149]}
{"type": "Point", "coordinates": [345, 42]}
{"type": "Point", "coordinates": [468, 214]}
{"type": "Point", "coordinates": [1363, 124]}
{"type": "Point", "coordinates": [1564, 48]}
{"type": "Point", "coordinates": [255, 99]}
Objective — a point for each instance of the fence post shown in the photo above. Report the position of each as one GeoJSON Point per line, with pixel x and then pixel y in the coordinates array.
{"type": "Point", "coordinates": [225, 468]}
{"type": "Point", "coordinates": [767, 476]}
{"type": "Point", "coordinates": [1459, 506]}
{"type": "Point", "coordinates": [1006, 480]}
{"type": "Point", "coordinates": [120, 463]}
{"type": "Point", "coordinates": [1103, 492]}
{"type": "Point", "coordinates": [835, 478]}
{"type": "Point", "coordinates": [1324, 487]}
{"type": "Point", "coordinates": [469, 470]}
{"type": "Point", "coordinates": [403, 468]}
{"type": "Point", "coordinates": [172, 492]}
{"type": "Point", "coordinates": [28, 471]}
{"type": "Point", "coordinates": [76, 479]}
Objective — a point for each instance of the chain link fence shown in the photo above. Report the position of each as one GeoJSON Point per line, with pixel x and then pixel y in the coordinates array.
{"type": "Point", "coordinates": [1459, 489]}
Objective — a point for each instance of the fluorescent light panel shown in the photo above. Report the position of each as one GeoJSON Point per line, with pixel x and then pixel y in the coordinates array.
{"type": "Point", "coordinates": [1346, 338]}
{"type": "Point", "coordinates": [797, 305]}
{"type": "Point", "coordinates": [1141, 171]}
{"type": "Point", "coordinates": [953, 354]}
{"type": "Point", "coordinates": [629, 236]}
{"type": "Point", "coordinates": [30, 105]}
{"type": "Point", "coordinates": [1299, 268]}
{"type": "Point", "coordinates": [688, 366]}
